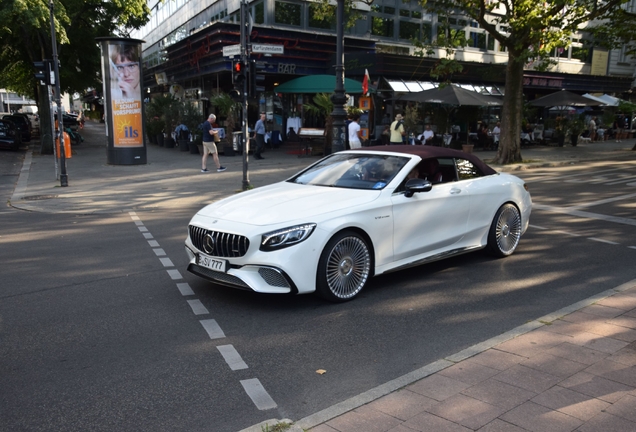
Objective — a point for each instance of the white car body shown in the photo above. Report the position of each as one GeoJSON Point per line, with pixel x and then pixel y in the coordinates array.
{"type": "Point", "coordinates": [402, 231]}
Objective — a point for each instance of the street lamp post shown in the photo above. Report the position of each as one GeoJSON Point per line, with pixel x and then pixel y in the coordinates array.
{"type": "Point", "coordinates": [339, 98]}
{"type": "Point", "coordinates": [58, 100]}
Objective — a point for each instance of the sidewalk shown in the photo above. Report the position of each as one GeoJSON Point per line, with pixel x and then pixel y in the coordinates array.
{"type": "Point", "coordinates": [574, 369]}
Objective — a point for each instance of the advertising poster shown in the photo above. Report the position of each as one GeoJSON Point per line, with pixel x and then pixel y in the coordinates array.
{"type": "Point", "coordinates": [125, 94]}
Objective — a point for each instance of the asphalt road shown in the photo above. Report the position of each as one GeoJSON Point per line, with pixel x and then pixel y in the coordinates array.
{"type": "Point", "coordinates": [95, 334]}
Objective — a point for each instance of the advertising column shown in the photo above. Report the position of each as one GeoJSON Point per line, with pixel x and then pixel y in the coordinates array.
{"type": "Point", "coordinates": [123, 107]}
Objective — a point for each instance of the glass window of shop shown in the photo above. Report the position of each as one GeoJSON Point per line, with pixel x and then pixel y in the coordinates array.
{"type": "Point", "coordinates": [258, 12]}
{"type": "Point", "coordinates": [410, 30]}
{"type": "Point", "coordinates": [287, 13]}
{"type": "Point", "coordinates": [382, 27]}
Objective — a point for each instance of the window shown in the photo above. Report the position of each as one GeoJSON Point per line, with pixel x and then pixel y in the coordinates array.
{"type": "Point", "coordinates": [382, 27]}
{"type": "Point", "coordinates": [259, 13]}
{"type": "Point", "coordinates": [427, 32]}
{"type": "Point", "coordinates": [405, 13]}
{"type": "Point", "coordinates": [409, 30]}
{"type": "Point", "coordinates": [477, 40]}
{"type": "Point", "coordinates": [416, 14]}
{"type": "Point", "coordinates": [287, 13]}
{"type": "Point", "coordinates": [466, 170]}
{"type": "Point", "coordinates": [389, 10]}
{"type": "Point", "coordinates": [328, 22]}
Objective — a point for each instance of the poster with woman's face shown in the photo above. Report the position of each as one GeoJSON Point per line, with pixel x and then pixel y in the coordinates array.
{"type": "Point", "coordinates": [125, 94]}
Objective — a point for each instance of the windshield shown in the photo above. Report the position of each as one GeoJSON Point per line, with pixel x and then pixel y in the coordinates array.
{"type": "Point", "coordinates": [354, 171]}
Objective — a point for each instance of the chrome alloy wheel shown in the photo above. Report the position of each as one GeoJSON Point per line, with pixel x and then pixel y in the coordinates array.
{"type": "Point", "coordinates": [348, 266]}
{"type": "Point", "coordinates": [507, 229]}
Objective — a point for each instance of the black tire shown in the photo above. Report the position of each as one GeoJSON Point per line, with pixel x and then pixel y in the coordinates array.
{"type": "Point", "coordinates": [344, 267]}
{"type": "Point", "coordinates": [505, 231]}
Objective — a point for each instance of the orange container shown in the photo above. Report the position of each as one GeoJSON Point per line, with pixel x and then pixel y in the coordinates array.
{"type": "Point", "coordinates": [67, 146]}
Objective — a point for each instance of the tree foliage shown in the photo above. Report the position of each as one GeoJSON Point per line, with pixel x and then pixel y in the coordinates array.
{"type": "Point", "coordinates": [25, 37]}
{"type": "Point", "coordinates": [530, 31]}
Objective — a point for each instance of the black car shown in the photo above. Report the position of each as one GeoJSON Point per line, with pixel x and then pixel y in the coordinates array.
{"type": "Point", "coordinates": [10, 135]}
{"type": "Point", "coordinates": [23, 123]}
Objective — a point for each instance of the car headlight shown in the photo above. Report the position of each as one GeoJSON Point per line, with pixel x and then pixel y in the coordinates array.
{"type": "Point", "coordinates": [286, 237]}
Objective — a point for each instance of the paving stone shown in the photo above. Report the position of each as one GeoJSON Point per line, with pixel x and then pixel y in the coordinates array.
{"type": "Point", "coordinates": [599, 343]}
{"type": "Point", "coordinates": [427, 422]}
{"type": "Point", "coordinates": [571, 403]}
{"type": "Point", "coordinates": [602, 311]}
{"type": "Point", "coordinates": [605, 422]}
{"type": "Point", "coordinates": [610, 330]}
{"type": "Point", "coordinates": [437, 387]}
{"type": "Point", "coordinates": [499, 425]}
{"type": "Point", "coordinates": [622, 301]}
{"type": "Point", "coordinates": [596, 386]}
{"type": "Point", "coordinates": [625, 407]}
{"type": "Point", "coordinates": [496, 359]}
{"type": "Point", "coordinates": [527, 378]}
{"type": "Point", "coordinates": [534, 417]}
{"type": "Point", "coordinates": [469, 372]}
{"type": "Point", "coordinates": [467, 411]}
{"type": "Point", "coordinates": [565, 328]}
{"type": "Point", "coordinates": [402, 404]}
{"type": "Point", "coordinates": [624, 321]}
{"type": "Point", "coordinates": [614, 371]}
{"type": "Point", "coordinates": [323, 428]}
{"type": "Point", "coordinates": [554, 365]}
{"type": "Point", "coordinates": [499, 393]}
{"type": "Point", "coordinates": [366, 421]}
{"type": "Point", "coordinates": [577, 353]}
{"type": "Point", "coordinates": [626, 356]}
{"type": "Point", "coordinates": [531, 343]}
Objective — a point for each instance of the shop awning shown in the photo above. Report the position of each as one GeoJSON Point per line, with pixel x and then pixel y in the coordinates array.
{"type": "Point", "coordinates": [402, 86]}
{"type": "Point", "coordinates": [317, 84]}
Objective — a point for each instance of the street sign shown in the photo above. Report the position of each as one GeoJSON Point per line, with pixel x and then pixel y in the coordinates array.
{"type": "Point", "coordinates": [231, 50]}
{"type": "Point", "coordinates": [268, 49]}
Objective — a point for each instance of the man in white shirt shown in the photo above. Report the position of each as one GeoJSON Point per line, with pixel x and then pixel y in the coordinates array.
{"type": "Point", "coordinates": [355, 136]}
{"type": "Point", "coordinates": [496, 131]}
{"type": "Point", "coordinates": [426, 137]}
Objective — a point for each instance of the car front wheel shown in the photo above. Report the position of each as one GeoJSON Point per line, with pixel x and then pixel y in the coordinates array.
{"type": "Point", "coordinates": [344, 267]}
{"type": "Point", "coordinates": [505, 231]}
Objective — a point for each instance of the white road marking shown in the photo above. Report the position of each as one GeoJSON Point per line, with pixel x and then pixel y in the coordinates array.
{"type": "Point", "coordinates": [568, 233]}
{"type": "Point", "coordinates": [174, 274]}
{"type": "Point", "coordinates": [232, 357]}
{"type": "Point", "coordinates": [184, 289]}
{"type": "Point", "coordinates": [143, 229]}
{"type": "Point", "coordinates": [600, 202]}
{"type": "Point", "coordinates": [632, 247]}
{"type": "Point", "coordinates": [138, 222]}
{"type": "Point", "coordinates": [537, 227]}
{"type": "Point", "coordinates": [584, 214]}
{"type": "Point", "coordinates": [602, 241]}
{"type": "Point", "coordinates": [159, 252]}
{"type": "Point", "coordinates": [153, 243]}
{"type": "Point", "coordinates": [133, 217]}
{"type": "Point", "coordinates": [623, 180]}
{"type": "Point", "coordinates": [148, 236]}
{"type": "Point", "coordinates": [197, 307]}
{"type": "Point", "coordinates": [166, 262]}
{"type": "Point", "coordinates": [213, 329]}
{"type": "Point", "coordinates": [257, 393]}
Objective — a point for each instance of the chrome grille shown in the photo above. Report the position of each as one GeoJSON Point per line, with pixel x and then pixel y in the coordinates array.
{"type": "Point", "coordinates": [225, 245]}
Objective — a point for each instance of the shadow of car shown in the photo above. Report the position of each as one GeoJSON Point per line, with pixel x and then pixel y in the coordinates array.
{"type": "Point", "coordinates": [10, 135]}
{"type": "Point", "coordinates": [23, 123]}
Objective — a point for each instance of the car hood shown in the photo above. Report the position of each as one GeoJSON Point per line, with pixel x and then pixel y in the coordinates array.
{"type": "Point", "coordinates": [284, 202]}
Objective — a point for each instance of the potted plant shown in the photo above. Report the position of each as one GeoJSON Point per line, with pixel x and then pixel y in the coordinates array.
{"type": "Point", "coordinates": [227, 107]}
{"type": "Point", "coordinates": [154, 126]}
{"type": "Point", "coordinates": [575, 127]}
{"type": "Point", "coordinates": [165, 108]}
{"type": "Point", "coordinates": [323, 106]}
{"type": "Point", "coordinates": [191, 117]}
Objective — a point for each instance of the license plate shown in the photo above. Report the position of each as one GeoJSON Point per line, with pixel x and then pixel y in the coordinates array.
{"type": "Point", "coordinates": [215, 264]}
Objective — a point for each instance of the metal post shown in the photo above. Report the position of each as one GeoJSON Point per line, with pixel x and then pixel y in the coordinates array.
{"type": "Point", "coordinates": [339, 98]}
{"type": "Point", "coordinates": [244, 124]}
{"type": "Point", "coordinates": [58, 99]}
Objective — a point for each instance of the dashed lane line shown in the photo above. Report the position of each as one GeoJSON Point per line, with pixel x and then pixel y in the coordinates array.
{"type": "Point", "coordinates": [257, 393]}
{"type": "Point", "coordinates": [232, 357]}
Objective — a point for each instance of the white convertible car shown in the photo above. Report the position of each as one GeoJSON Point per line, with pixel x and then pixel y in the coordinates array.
{"type": "Point", "coordinates": [356, 214]}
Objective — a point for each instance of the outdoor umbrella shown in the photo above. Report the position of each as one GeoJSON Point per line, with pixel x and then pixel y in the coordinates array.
{"type": "Point", "coordinates": [451, 95]}
{"type": "Point", "coordinates": [318, 84]}
{"type": "Point", "coordinates": [564, 98]}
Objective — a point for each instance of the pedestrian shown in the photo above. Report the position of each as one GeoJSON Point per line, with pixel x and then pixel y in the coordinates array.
{"type": "Point", "coordinates": [427, 136]}
{"type": "Point", "coordinates": [618, 128]}
{"type": "Point", "coordinates": [591, 127]}
{"type": "Point", "coordinates": [355, 136]}
{"type": "Point", "coordinates": [397, 130]}
{"type": "Point", "coordinates": [210, 138]}
{"type": "Point", "coordinates": [496, 132]}
{"type": "Point", "coordinates": [259, 134]}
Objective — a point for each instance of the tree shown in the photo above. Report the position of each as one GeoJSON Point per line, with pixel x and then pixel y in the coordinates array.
{"type": "Point", "coordinates": [25, 37]}
{"type": "Point", "coordinates": [529, 31]}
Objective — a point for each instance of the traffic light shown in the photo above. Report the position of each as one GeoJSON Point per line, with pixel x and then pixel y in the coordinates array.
{"type": "Point", "coordinates": [257, 79]}
{"type": "Point", "coordinates": [44, 72]}
{"type": "Point", "coordinates": [238, 74]}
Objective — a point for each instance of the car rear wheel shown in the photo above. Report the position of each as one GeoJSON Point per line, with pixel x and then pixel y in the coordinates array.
{"type": "Point", "coordinates": [344, 267]}
{"type": "Point", "coordinates": [505, 231]}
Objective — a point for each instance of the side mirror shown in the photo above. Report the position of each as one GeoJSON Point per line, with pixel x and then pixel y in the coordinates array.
{"type": "Point", "coordinates": [417, 185]}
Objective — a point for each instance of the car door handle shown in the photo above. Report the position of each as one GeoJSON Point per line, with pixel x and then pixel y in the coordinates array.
{"type": "Point", "coordinates": [455, 191]}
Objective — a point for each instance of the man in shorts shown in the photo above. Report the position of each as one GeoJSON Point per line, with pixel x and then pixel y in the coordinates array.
{"type": "Point", "coordinates": [210, 138]}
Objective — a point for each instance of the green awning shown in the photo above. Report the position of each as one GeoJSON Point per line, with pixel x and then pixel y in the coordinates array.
{"type": "Point", "coordinates": [317, 84]}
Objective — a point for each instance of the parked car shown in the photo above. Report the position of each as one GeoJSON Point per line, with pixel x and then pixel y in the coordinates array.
{"type": "Point", "coordinates": [22, 123]}
{"type": "Point", "coordinates": [35, 121]}
{"type": "Point", "coordinates": [10, 135]}
{"type": "Point", "coordinates": [356, 214]}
